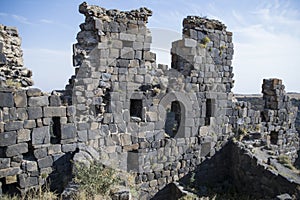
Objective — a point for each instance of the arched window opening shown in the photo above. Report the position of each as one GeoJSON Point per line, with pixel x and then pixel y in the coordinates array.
{"type": "Point", "coordinates": [173, 118]}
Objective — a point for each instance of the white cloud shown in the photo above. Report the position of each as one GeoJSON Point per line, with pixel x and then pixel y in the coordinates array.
{"type": "Point", "coordinates": [22, 19]}
{"type": "Point", "coordinates": [267, 47]}
{"type": "Point", "coordinates": [46, 21]}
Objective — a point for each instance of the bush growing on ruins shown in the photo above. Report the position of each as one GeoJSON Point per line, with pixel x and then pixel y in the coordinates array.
{"type": "Point", "coordinates": [205, 40]}
{"type": "Point", "coordinates": [96, 179]}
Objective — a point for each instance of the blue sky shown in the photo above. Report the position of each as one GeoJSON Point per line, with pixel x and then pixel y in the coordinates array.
{"type": "Point", "coordinates": [266, 35]}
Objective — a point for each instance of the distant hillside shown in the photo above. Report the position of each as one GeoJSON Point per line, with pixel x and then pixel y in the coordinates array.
{"type": "Point", "coordinates": [257, 103]}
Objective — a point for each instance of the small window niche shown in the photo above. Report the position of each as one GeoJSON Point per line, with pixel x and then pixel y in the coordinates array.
{"type": "Point", "coordinates": [173, 118]}
{"type": "Point", "coordinates": [274, 137]}
{"type": "Point", "coordinates": [210, 109]}
{"type": "Point", "coordinates": [136, 109]}
{"type": "Point", "coordinates": [55, 130]}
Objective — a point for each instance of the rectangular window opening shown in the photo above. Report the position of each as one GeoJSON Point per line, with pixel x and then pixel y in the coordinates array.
{"type": "Point", "coordinates": [136, 108]}
{"type": "Point", "coordinates": [55, 130]}
{"type": "Point", "coordinates": [274, 137]}
{"type": "Point", "coordinates": [209, 111]}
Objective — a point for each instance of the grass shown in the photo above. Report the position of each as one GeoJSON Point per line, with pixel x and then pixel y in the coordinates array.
{"type": "Point", "coordinates": [189, 196]}
{"type": "Point", "coordinates": [40, 193]}
{"type": "Point", "coordinates": [286, 161]}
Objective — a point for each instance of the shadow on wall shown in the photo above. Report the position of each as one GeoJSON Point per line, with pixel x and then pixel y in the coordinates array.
{"type": "Point", "coordinates": [62, 172]}
{"type": "Point", "coordinates": [212, 175]}
{"type": "Point", "coordinates": [232, 173]}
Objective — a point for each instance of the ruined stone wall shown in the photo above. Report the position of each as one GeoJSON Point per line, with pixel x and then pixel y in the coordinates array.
{"type": "Point", "coordinates": [279, 118]}
{"type": "Point", "coordinates": [12, 72]}
{"type": "Point", "coordinates": [272, 127]}
{"type": "Point", "coordinates": [125, 111]}
{"type": "Point", "coordinates": [37, 138]}
{"type": "Point", "coordinates": [254, 177]}
{"type": "Point", "coordinates": [238, 172]}
{"type": "Point", "coordinates": [142, 117]}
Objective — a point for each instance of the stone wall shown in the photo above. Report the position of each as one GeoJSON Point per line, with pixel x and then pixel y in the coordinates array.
{"type": "Point", "coordinates": [272, 127]}
{"type": "Point", "coordinates": [126, 111]}
{"type": "Point", "coordinates": [12, 72]}
{"type": "Point", "coordinates": [251, 176]}
{"type": "Point", "coordinates": [237, 172]}
{"type": "Point", "coordinates": [125, 102]}
{"type": "Point", "coordinates": [37, 136]}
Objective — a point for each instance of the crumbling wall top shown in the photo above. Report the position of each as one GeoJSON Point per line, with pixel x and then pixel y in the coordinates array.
{"type": "Point", "coordinates": [13, 74]}
{"type": "Point", "coordinates": [141, 14]}
{"type": "Point", "coordinates": [203, 22]}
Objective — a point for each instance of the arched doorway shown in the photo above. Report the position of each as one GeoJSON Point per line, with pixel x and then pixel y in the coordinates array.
{"type": "Point", "coordinates": [173, 118]}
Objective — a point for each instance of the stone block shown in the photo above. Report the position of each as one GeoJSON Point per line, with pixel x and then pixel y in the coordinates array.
{"type": "Point", "coordinates": [127, 37]}
{"type": "Point", "coordinates": [93, 134]}
{"type": "Point", "coordinates": [127, 53]}
{"type": "Point", "coordinates": [71, 110]}
{"type": "Point", "coordinates": [55, 100]}
{"type": "Point", "coordinates": [21, 114]}
{"type": "Point", "coordinates": [34, 112]}
{"type": "Point", "coordinates": [8, 138]}
{"type": "Point", "coordinates": [26, 182]}
{"type": "Point", "coordinates": [40, 153]}
{"type": "Point", "coordinates": [190, 42]}
{"type": "Point", "coordinates": [23, 135]}
{"type": "Point", "coordinates": [82, 136]}
{"type": "Point", "coordinates": [69, 147]}
{"type": "Point", "coordinates": [205, 149]}
{"type": "Point", "coordinates": [138, 45]}
{"type": "Point", "coordinates": [151, 117]}
{"type": "Point", "coordinates": [13, 125]}
{"type": "Point", "coordinates": [4, 163]}
{"type": "Point", "coordinates": [41, 135]}
{"type": "Point", "coordinates": [9, 171]}
{"type": "Point", "coordinates": [117, 44]}
{"type": "Point", "coordinates": [38, 101]}
{"type": "Point", "coordinates": [31, 166]}
{"type": "Point", "coordinates": [125, 139]}
{"type": "Point", "coordinates": [2, 127]}
{"type": "Point", "coordinates": [20, 99]}
{"type": "Point", "coordinates": [11, 179]}
{"type": "Point", "coordinates": [54, 111]}
{"type": "Point", "coordinates": [54, 149]}
{"type": "Point", "coordinates": [68, 131]}
{"type": "Point", "coordinates": [149, 56]}
{"type": "Point", "coordinates": [6, 99]}
{"type": "Point", "coordinates": [29, 124]}
{"type": "Point", "coordinates": [45, 162]}
{"type": "Point", "coordinates": [16, 149]}
{"type": "Point", "coordinates": [34, 92]}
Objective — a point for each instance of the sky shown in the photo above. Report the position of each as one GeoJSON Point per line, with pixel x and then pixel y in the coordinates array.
{"type": "Point", "coordinates": [266, 35]}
